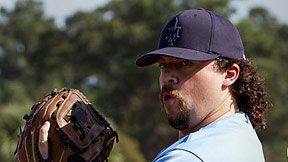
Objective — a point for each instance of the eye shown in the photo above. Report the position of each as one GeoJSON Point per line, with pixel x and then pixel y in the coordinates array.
{"type": "Point", "coordinates": [186, 63]}
{"type": "Point", "coordinates": [162, 66]}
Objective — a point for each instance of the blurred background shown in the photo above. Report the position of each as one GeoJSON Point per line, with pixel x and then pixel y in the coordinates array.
{"type": "Point", "coordinates": [92, 45]}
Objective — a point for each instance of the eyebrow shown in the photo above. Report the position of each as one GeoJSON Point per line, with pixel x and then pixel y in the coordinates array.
{"type": "Point", "coordinates": [160, 59]}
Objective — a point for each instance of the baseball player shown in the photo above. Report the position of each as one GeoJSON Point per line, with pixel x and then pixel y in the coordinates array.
{"type": "Point", "coordinates": [210, 92]}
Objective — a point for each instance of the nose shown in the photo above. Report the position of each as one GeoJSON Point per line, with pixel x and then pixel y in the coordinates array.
{"type": "Point", "coordinates": [172, 79]}
{"type": "Point", "coordinates": [168, 77]}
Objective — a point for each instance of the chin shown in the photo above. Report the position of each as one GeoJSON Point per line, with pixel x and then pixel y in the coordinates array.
{"type": "Point", "coordinates": [180, 121]}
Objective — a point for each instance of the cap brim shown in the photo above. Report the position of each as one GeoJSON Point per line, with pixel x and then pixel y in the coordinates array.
{"type": "Point", "coordinates": [176, 52]}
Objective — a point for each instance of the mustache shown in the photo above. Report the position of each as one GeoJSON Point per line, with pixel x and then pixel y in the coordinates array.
{"type": "Point", "coordinates": [172, 91]}
{"type": "Point", "coordinates": [167, 88]}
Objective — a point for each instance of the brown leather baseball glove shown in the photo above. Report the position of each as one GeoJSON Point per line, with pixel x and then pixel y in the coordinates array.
{"type": "Point", "coordinates": [78, 132]}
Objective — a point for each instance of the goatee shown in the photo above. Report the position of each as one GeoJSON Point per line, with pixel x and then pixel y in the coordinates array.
{"type": "Point", "coordinates": [181, 120]}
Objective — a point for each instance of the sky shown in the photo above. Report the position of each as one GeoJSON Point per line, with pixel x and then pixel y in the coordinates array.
{"type": "Point", "coordinates": [277, 8]}
{"type": "Point", "coordinates": [61, 9]}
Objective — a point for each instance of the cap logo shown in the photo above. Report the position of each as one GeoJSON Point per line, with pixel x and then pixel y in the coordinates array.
{"type": "Point", "coordinates": [173, 33]}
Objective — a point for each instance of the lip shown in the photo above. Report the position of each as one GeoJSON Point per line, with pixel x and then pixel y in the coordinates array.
{"type": "Point", "coordinates": [167, 98]}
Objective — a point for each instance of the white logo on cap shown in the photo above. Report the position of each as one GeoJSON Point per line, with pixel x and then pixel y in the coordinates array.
{"type": "Point", "coordinates": [174, 32]}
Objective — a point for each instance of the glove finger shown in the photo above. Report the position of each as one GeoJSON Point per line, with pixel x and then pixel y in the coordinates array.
{"type": "Point", "coordinates": [43, 140]}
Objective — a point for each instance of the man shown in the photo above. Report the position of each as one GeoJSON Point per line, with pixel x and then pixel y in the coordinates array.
{"type": "Point", "coordinates": [210, 92]}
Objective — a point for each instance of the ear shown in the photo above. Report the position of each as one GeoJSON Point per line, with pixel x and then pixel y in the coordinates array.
{"type": "Point", "coordinates": [231, 75]}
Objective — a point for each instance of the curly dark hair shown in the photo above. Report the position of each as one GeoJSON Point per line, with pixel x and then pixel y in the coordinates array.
{"type": "Point", "coordinates": [248, 91]}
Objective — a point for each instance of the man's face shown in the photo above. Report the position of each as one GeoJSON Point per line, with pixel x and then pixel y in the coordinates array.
{"type": "Point", "coordinates": [190, 90]}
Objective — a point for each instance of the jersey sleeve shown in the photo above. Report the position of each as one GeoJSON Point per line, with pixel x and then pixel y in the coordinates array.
{"type": "Point", "coordinates": [179, 155]}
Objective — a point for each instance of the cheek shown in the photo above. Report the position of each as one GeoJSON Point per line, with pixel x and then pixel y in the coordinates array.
{"type": "Point", "coordinates": [202, 89]}
{"type": "Point", "coordinates": [194, 90]}
{"type": "Point", "coordinates": [214, 84]}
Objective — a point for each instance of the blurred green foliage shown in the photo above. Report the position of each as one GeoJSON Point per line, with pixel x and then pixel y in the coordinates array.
{"type": "Point", "coordinates": [96, 51]}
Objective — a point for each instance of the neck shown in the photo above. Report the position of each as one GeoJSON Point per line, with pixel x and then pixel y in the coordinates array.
{"type": "Point", "coordinates": [227, 108]}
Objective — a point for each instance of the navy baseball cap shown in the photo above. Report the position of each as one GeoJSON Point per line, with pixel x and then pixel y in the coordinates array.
{"type": "Point", "coordinates": [197, 35]}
